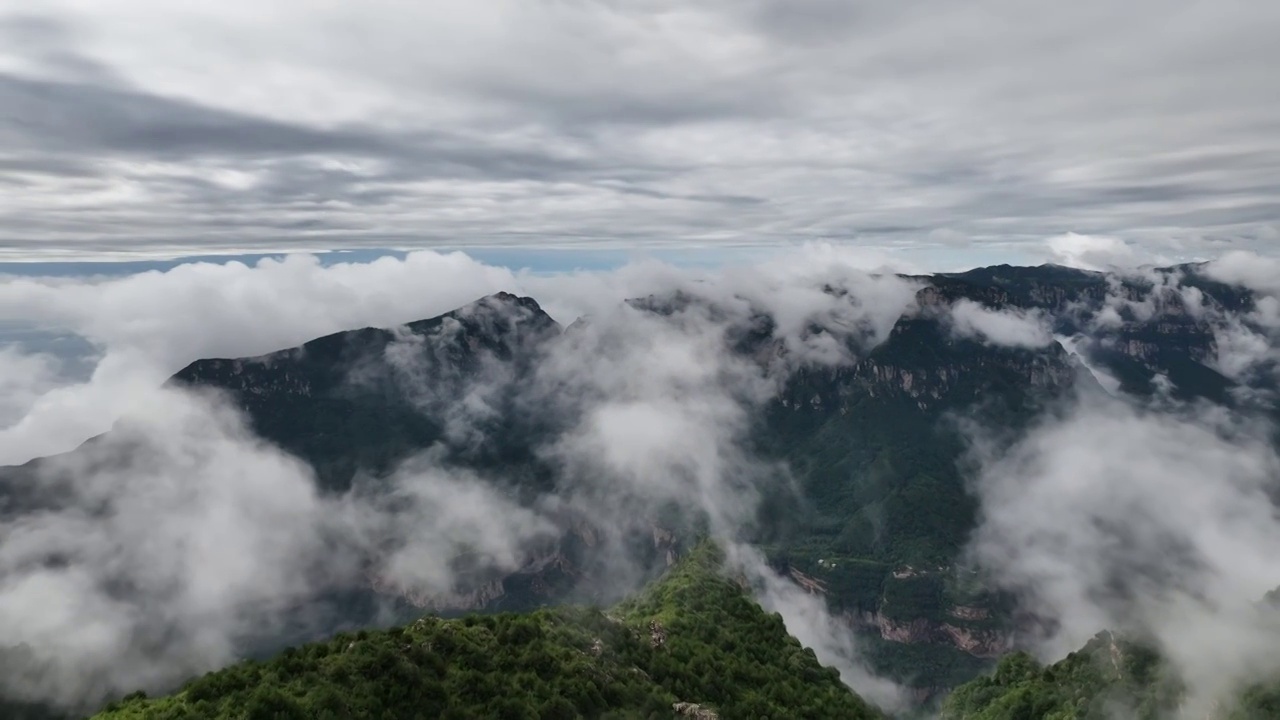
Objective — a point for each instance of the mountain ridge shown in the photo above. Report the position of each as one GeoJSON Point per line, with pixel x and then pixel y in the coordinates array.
{"type": "Point", "coordinates": [692, 644]}
{"type": "Point", "coordinates": [879, 508]}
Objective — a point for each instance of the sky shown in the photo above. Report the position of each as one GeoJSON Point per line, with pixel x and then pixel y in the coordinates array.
{"type": "Point", "coordinates": [950, 134]}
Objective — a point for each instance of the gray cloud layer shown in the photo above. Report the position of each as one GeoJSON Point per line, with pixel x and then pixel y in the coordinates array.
{"type": "Point", "coordinates": [149, 126]}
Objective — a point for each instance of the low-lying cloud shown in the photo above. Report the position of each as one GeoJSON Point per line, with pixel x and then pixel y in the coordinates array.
{"type": "Point", "coordinates": [1102, 515]}
{"type": "Point", "coordinates": [169, 546]}
{"type": "Point", "coordinates": [1159, 522]}
{"type": "Point", "coordinates": [1006, 328]}
{"type": "Point", "coordinates": [655, 411]}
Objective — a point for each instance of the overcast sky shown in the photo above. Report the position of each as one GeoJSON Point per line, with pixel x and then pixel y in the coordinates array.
{"type": "Point", "coordinates": [993, 126]}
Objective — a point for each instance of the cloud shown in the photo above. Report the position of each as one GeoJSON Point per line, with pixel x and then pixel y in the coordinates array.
{"type": "Point", "coordinates": [1261, 274]}
{"type": "Point", "coordinates": [1089, 252]}
{"type": "Point", "coordinates": [811, 622]}
{"type": "Point", "coordinates": [1008, 328]}
{"type": "Point", "coordinates": [273, 305]}
{"type": "Point", "coordinates": [647, 411]}
{"type": "Point", "coordinates": [597, 123]}
{"type": "Point", "coordinates": [180, 540]}
{"type": "Point", "coordinates": [24, 378]}
{"type": "Point", "coordinates": [661, 412]}
{"type": "Point", "coordinates": [1110, 516]}
{"type": "Point", "coordinates": [152, 551]}
{"type": "Point", "coordinates": [414, 528]}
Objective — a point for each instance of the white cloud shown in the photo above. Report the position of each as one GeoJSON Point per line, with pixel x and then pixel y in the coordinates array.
{"type": "Point", "coordinates": [1259, 273]}
{"type": "Point", "coordinates": [24, 378]}
{"type": "Point", "coordinates": [162, 549]}
{"type": "Point", "coordinates": [181, 532]}
{"type": "Point", "coordinates": [1009, 328]}
{"type": "Point", "coordinates": [1089, 252]}
{"type": "Point", "coordinates": [1111, 517]}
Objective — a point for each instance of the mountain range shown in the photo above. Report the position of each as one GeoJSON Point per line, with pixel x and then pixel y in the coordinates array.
{"type": "Point", "coordinates": [847, 444]}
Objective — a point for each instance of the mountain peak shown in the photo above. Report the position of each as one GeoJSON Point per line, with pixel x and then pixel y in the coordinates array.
{"type": "Point", "coordinates": [505, 298]}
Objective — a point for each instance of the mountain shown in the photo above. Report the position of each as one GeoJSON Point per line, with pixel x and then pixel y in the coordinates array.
{"type": "Point", "coordinates": [366, 399]}
{"type": "Point", "coordinates": [691, 645]}
{"type": "Point", "coordinates": [876, 512]}
{"type": "Point", "coordinates": [1109, 677]}
{"type": "Point", "coordinates": [1106, 677]}
{"type": "Point", "coordinates": [884, 509]}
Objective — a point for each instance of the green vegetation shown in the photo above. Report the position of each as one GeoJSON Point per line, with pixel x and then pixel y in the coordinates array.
{"type": "Point", "coordinates": [1110, 677]}
{"type": "Point", "coordinates": [1102, 679]}
{"type": "Point", "coordinates": [693, 637]}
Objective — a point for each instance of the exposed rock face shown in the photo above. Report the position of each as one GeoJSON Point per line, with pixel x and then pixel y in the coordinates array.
{"type": "Point", "coordinates": [657, 634]}
{"type": "Point", "coordinates": [474, 599]}
{"type": "Point", "coordinates": [666, 542]}
{"type": "Point", "coordinates": [979, 642]}
{"type": "Point", "coordinates": [910, 631]}
{"type": "Point", "coordinates": [694, 710]}
{"type": "Point", "coordinates": [963, 612]}
{"type": "Point", "coordinates": [813, 585]}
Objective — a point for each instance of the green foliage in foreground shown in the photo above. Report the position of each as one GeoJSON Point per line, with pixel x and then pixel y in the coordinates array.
{"type": "Point", "coordinates": [1109, 678]}
{"type": "Point", "coordinates": [693, 637]}
{"type": "Point", "coordinates": [1106, 679]}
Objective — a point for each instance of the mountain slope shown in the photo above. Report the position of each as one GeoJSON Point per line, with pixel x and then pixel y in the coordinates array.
{"type": "Point", "coordinates": [1109, 677]}
{"type": "Point", "coordinates": [878, 453]}
{"type": "Point", "coordinates": [362, 400]}
{"type": "Point", "coordinates": [692, 643]}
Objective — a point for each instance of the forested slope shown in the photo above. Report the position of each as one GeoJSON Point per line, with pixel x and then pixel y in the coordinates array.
{"type": "Point", "coordinates": [695, 638]}
{"type": "Point", "coordinates": [1109, 678]}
